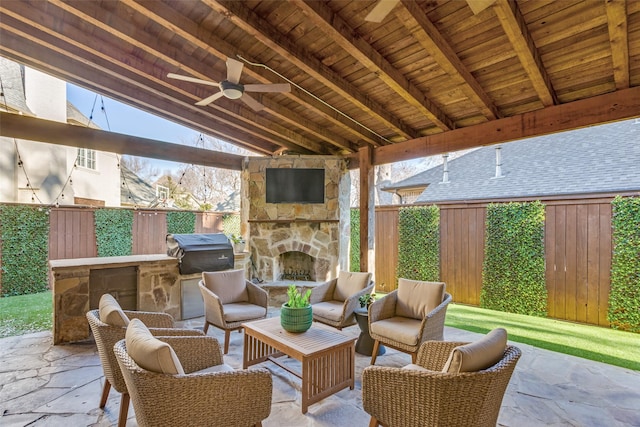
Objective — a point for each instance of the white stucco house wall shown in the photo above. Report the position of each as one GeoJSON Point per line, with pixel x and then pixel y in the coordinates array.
{"type": "Point", "coordinates": [37, 172]}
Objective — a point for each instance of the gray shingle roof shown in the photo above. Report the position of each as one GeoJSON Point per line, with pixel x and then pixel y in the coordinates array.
{"type": "Point", "coordinates": [597, 159]}
{"type": "Point", "coordinates": [13, 97]}
{"type": "Point", "coordinates": [136, 190]}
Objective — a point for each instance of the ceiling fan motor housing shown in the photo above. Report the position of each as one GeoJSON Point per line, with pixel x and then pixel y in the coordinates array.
{"type": "Point", "coordinates": [231, 90]}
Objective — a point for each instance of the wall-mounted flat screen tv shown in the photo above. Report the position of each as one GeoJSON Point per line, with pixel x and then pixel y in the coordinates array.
{"type": "Point", "coordinates": [287, 185]}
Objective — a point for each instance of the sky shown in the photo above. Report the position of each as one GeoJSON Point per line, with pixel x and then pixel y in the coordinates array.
{"type": "Point", "coordinates": [121, 118]}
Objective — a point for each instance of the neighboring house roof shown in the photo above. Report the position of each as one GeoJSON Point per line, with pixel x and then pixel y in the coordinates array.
{"type": "Point", "coordinates": [75, 117]}
{"type": "Point", "coordinates": [12, 78]}
{"type": "Point", "coordinates": [135, 190]}
{"type": "Point", "coordinates": [599, 159]}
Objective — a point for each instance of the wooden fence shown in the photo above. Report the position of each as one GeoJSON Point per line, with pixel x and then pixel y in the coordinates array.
{"type": "Point", "coordinates": [72, 231]}
{"type": "Point", "coordinates": [578, 251]}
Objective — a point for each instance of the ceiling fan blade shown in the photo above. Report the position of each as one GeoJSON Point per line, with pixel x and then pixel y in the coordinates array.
{"type": "Point", "coordinates": [275, 87]}
{"type": "Point", "coordinates": [234, 69]}
{"type": "Point", "coordinates": [192, 79]}
{"type": "Point", "coordinates": [209, 99]}
{"type": "Point", "coordinates": [478, 6]}
{"type": "Point", "coordinates": [252, 103]}
{"type": "Point", "coordinates": [381, 10]}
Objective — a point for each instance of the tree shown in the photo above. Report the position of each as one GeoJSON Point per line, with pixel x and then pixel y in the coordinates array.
{"type": "Point", "coordinates": [213, 188]}
{"type": "Point", "coordinates": [140, 166]}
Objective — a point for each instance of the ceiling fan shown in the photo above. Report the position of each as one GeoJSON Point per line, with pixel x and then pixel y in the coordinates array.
{"type": "Point", "coordinates": [383, 7]}
{"type": "Point", "coordinates": [232, 88]}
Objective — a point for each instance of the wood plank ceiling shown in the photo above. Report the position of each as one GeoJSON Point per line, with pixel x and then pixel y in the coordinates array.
{"type": "Point", "coordinates": [433, 76]}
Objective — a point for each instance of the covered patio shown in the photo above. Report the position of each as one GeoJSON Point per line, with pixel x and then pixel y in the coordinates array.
{"type": "Point", "coordinates": [46, 385]}
{"type": "Point", "coordinates": [430, 77]}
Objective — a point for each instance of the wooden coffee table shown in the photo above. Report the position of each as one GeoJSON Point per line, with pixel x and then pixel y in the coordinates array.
{"type": "Point", "coordinates": [327, 356]}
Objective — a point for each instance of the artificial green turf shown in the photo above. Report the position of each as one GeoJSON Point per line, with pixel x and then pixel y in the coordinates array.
{"type": "Point", "coordinates": [590, 342]}
{"type": "Point", "coordinates": [25, 313]}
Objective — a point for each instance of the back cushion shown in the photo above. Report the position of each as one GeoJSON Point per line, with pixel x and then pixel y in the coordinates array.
{"type": "Point", "coordinates": [110, 311]}
{"type": "Point", "coordinates": [149, 352]}
{"type": "Point", "coordinates": [350, 283]}
{"type": "Point", "coordinates": [416, 298]}
{"type": "Point", "coordinates": [228, 285]}
{"type": "Point", "coordinates": [478, 355]}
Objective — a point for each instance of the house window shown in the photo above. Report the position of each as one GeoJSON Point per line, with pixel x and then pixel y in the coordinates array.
{"type": "Point", "coordinates": [87, 158]}
{"type": "Point", "coordinates": [162, 192]}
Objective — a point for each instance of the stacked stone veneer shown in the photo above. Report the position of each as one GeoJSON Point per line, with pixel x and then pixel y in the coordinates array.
{"type": "Point", "coordinates": [320, 230]}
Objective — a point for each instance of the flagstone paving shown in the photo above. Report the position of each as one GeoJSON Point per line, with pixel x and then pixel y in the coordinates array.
{"type": "Point", "coordinates": [46, 385]}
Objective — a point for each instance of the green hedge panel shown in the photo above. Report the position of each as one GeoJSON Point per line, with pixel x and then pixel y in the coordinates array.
{"type": "Point", "coordinates": [231, 224]}
{"type": "Point", "coordinates": [419, 243]}
{"type": "Point", "coordinates": [181, 222]}
{"type": "Point", "coordinates": [24, 232]}
{"type": "Point", "coordinates": [513, 277]}
{"type": "Point", "coordinates": [113, 231]}
{"type": "Point", "coordinates": [354, 252]}
{"type": "Point", "coordinates": [624, 297]}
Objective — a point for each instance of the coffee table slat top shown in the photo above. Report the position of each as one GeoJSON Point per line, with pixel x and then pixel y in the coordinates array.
{"type": "Point", "coordinates": [318, 338]}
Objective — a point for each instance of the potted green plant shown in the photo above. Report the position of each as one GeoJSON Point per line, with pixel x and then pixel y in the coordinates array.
{"type": "Point", "coordinates": [296, 314]}
{"type": "Point", "coordinates": [238, 242]}
{"type": "Point", "coordinates": [366, 300]}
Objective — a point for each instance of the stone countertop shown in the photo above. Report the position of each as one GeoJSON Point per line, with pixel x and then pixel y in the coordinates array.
{"type": "Point", "coordinates": [75, 262]}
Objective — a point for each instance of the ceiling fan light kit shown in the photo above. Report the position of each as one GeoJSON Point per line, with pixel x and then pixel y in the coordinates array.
{"type": "Point", "coordinates": [231, 88]}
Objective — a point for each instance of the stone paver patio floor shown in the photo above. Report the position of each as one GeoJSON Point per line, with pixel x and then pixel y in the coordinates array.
{"type": "Point", "coordinates": [46, 385]}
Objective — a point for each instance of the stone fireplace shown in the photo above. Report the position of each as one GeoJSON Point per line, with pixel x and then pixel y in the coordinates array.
{"type": "Point", "coordinates": [288, 241]}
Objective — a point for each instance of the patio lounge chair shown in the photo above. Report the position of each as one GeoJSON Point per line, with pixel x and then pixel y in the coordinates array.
{"type": "Point", "coordinates": [451, 385]}
{"type": "Point", "coordinates": [230, 300]}
{"type": "Point", "coordinates": [408, 316]}
{"type": "Point", "coordinates": [333, 302]}
{"type": "Point", "coordinates": [182, 381]}
{"type": "Point", "coordinates": [109, 324]}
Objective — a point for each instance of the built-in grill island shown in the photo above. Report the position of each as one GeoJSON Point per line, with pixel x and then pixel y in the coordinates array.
{"type": "Point", "coordinates": [197, 253]}
{"type": "Point", "coordinates": [144, 282]}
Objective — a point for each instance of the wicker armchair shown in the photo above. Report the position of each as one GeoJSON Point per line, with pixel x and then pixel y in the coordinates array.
{"type": "Point", "coordinates": [409, 397]}
{"type": "Point", "coordinates": [408, 316]}
{"type": "Point", "coordinates": [334, 302]}
{"type": "Point", "coordinates": [230, 300]}
{"type": "Point", "coordinates": [107, 335]}
{"type": "Point", "coordinates": [223, 398]}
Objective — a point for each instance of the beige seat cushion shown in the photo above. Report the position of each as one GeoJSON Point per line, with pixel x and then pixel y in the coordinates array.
{"type": "Point", "coordinates": [110, 311]}
{"type": "Point", "coordinates": [414, 367]}
{"type": "Point", "coordinates": [331, 310]}
{"type": "Point", "coordinates": [401, 329]}
{"type": "Point", "coordinates": [149, 352]}
{"type": "Point", "coordinates": [416, 298]}
{"type": "Point", "coordinates": [478, 355]}
{"type": "Point", "coordinates": [239, 311]}
{"type": "Point", "coordinates": [229, 285]}
{"type": "Point", "coordinates": [350, 283]}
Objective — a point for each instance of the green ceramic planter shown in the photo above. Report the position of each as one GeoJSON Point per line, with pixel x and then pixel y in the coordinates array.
{"type": "Point", "coordinates": [296, 319]}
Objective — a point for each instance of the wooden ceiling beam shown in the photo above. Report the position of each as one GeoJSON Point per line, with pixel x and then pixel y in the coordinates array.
{"type": "Point", "coordinates": [434, 43]}
{"type": "Point", "coordinates": [345, 36]}
{"type": "Point", "coordinates": [619, 39]}
{"type": "Point", "coordinates": [35, 129]}
{"type": "Point", "coordinates": [104, 80]}
{"type": "Point", "coordinates": [254, 25]}
{"type": "Point", "coordinates": [242, 117]}
{"type": "Point", "coordinates": [132, 91]}
{"type": "Point", "coordinates": [168, 18]}
{"type": "Point", "coordinates": [619, 105]}
{"type": "Point", "coordinates": [518, 34]}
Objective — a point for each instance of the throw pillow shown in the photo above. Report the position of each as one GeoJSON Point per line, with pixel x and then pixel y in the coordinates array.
{"type": "Point", "coordinates": [417, 298]}
{"type": "Point", "coordinates": [110, 311]}
{"type": "Point", "coordinates": [228, 285]}
{"type": "Point", "coordinates": [478, 355]}
{"type": "Point", "coordinates": [350, 283]}
{"type": "Point", "coordinates": [149, 352]}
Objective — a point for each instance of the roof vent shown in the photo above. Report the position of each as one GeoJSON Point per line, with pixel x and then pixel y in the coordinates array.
{"type": "Point", "coordinates": [498, 163]}
{"type": "Point", "coordinates": [445, 169]}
